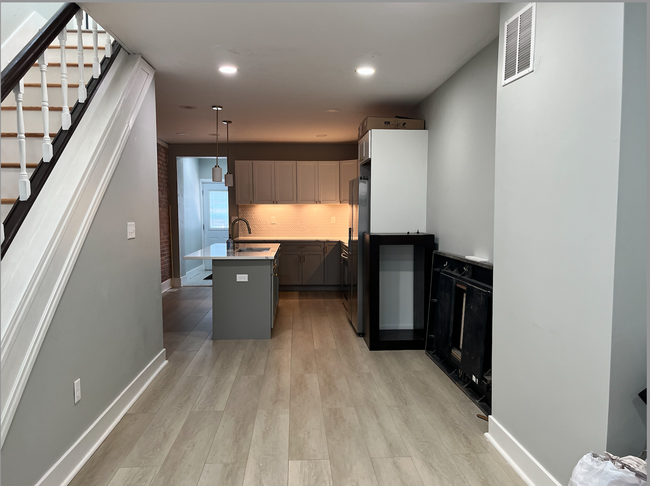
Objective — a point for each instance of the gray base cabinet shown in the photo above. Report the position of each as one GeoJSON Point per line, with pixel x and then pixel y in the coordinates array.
{"type": "Point", "coordinates": [309, 263]}
{"type": "Point", "coordinates": [242, 310]}
{"type": "Point", "coordinates": [332, 263]}
{"type": "Point", "coordinates": [290, 267]}
{"type": "Point", "coordinates": [312, 268]}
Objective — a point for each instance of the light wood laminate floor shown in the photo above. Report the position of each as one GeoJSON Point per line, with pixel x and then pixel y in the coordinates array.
{"type": "Point", "coordinates": [309, 407]}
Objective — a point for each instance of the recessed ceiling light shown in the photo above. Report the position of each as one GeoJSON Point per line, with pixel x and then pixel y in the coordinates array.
{"type": "Point", "coordinates": [322, 135]}
{"type": "Point", "coordinates": [365, 71]}
{"type": "Point", "coordinates": [217, 108]}
{"type": "Point", "coordinates": [333, 110]}
{"type": "Point", "coordinates": [228, 69]}
{"type": "Point", "coordinates": [181, 134]}
{"type": "Point", "coordinates": [187, 107]}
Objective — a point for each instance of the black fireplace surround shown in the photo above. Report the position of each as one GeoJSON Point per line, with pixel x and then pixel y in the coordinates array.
{"type": "Point", "coordinates": [459, 324]}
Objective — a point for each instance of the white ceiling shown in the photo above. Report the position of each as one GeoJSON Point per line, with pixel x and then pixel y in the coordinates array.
{"type": "Point", "coordinates": [295, 61]}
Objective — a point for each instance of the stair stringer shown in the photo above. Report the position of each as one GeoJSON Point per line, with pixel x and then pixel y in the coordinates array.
{"type": "Point", "coordinates": [38, 264]}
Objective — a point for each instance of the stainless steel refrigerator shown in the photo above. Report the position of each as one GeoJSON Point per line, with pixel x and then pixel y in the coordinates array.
{"type": "Point", "coordinates": [359, 223]}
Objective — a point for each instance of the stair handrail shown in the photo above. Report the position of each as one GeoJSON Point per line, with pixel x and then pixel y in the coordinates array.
{"type": "Point", "coordinates": [25, 59]}
{"type": "Point", "coordinates": [30, 186]}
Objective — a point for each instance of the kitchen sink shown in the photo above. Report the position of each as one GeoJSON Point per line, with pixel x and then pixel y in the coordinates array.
{"type": "Point", "coordinates": [257, 250]}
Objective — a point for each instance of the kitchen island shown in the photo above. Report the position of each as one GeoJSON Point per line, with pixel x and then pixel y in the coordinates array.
{"type": "Point", "coordinates": [244, 289]}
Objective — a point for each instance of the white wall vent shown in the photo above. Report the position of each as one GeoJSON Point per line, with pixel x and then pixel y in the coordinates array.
{"type": "Point", "coordinates": [519, 44]}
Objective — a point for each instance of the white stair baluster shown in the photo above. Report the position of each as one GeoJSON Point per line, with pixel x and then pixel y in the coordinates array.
{"type": "Point", "coordinates": [45, 109]}
{"type": "Point", "coordinates": [80, 56]}
{"type": "Point", "coordinates": [2, 232]}
{"type": "Point", "coordinates": [108, 52]}
{"type": "Point", "coordinates": [96, 69]}
{"type": "Point", "coordinates": [65, 113]}
{"type": "Point", "coordinates": [24, 189]}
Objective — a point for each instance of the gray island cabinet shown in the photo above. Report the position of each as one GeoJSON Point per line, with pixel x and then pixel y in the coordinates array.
{"type": "Point", "coordinates": [244, 289]}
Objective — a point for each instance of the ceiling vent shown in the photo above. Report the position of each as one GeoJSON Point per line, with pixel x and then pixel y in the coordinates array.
{"type": "Point", "coordinates": [519, 45]}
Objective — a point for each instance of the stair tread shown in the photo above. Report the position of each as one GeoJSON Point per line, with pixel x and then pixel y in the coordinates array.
{"type": "Point", "coordinates": [87, 31]}
{"type": "Point", "coordinates": [8, 200]}
{"type": "Point", "coordinates": [28, 135]}
{"type": "Point", "coordinates": [69, 64]}
{"type": "Point", "coordinates": [54, 46]}
{"type": "Point", "coordinates": [50, 85]}
{"type": "Point", "coordinates": [16, 165]}
{"type": "Point", "coordinates": [32, 108]}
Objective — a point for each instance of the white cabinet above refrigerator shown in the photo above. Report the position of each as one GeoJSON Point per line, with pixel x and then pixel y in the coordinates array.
{"type": "Point", "coordinates": [397, 161]}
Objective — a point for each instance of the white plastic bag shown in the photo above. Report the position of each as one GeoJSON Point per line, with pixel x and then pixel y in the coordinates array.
{"type": "Point", "coordinates": [593, 470]}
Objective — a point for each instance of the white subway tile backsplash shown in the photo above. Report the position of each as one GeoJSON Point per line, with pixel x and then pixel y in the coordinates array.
{"type": "Point", "coordinates": [309, 220]}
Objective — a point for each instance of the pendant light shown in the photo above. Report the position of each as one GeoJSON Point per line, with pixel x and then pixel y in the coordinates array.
{"type": "Point", "coordinates": [228, 178]}
{"type": "Point", "coordinates": [216, 170]}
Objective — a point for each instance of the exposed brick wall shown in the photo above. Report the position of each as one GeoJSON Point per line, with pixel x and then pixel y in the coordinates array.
{"type": "Point", "coordinates": [163, 207]}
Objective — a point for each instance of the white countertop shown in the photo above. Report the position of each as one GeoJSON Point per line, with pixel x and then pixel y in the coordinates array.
{"type": "Point", "coordinates": [289, 238]}
{"type": "Point", "coordinates": [218, 252]}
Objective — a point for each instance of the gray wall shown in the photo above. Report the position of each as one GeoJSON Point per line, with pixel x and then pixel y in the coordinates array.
{"type": "Point", "coordinates": [461, 118]}
{"type": "Point", "coordinates": [245, 151]}
{"type": "Point", "coordinates": [627, 413]}
{"type": "Point", "coordinates": [206, 164]}
{"type": "Point", "coordinates": [108, 325]}
{"type": "Point", "coordinates": [189, 207]}
{"type": "Point", "coordinates": [556, 195]}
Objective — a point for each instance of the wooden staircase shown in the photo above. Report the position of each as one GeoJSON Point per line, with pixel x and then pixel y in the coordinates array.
{"type": "Point", "coordinates": [33, 109]}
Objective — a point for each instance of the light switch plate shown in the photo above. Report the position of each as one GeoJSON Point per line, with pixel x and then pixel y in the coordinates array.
{"type": "Point", "coordinates": [130, 231]}
{"type": "Point", "coordinates": [242, 277]}
{"type": "Point", "coordinates": [333, 219]}
{"type": "Point", "coordinates": [272, 219]}
{"type": "Point", "coordinates": [77, 390]}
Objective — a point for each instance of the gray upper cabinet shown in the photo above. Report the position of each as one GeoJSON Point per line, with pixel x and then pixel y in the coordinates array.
{"type": "Point", "coordinates": [328, 182]}
{"type": "Point", "coordinates": [285, 182]}
{"type": "Point", "coordinates": [307, 174]}
{"type": "Point", "coordinates": [289, 182]}
{"type": "Point", "coordinates": [244, 181]}
{"type": "Point", "coordinates": [263, 178]}
{"type": "Point", "coordinates": [348, 170]}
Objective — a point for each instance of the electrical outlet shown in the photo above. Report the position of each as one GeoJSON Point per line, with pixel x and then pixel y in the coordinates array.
{"type": "Point", "coordinates": [77, 390]}
{"type": "Point", "coordinates": [242, 277]}
{"type": "Point", "coordinates": [272, 219]}
{"type": "Point", "coordinates": [130, 231]}
{"type": "Point", "coordinates": [333, 220]}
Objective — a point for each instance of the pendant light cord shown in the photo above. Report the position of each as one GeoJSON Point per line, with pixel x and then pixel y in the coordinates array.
{"type": "Point", "coordinates": [216, 162]}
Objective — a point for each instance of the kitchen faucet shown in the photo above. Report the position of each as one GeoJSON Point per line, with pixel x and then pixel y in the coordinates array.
{"type": "Point", "coordinates": [232, 226]}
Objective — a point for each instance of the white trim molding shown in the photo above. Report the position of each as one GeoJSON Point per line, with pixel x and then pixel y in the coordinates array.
{"type": "Point", "coordinates": [37, 266]}
{"type": "Point", "coordinates": [65, 469]}
{"type": "Point", "coordinates": [166, 285]}
{"type": "Point", "coordinates": [522, 461]}
{"type": "Point", "coordinates": [190, 274]}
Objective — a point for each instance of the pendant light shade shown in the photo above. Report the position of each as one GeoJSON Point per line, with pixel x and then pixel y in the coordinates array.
{"type": "Point", "coordinates": [229, 179]}
{"type": "Point", "coordinates": [216, 170]}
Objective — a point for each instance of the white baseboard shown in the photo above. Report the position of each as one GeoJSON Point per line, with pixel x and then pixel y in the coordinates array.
{"type": "Point", "coordinates": [190, 274]}
{"type": "Point", "coordinates": [166, 285]}
{"type": "Point", "coordinates": [524, 464]}
{"type": "Point", "coordinates": [73, 460]}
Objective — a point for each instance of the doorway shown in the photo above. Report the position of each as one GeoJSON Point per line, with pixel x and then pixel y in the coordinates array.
{"type": "Point", "coordinates": [215, 215]}
{"type": "Point", "coordinates": [202, 215]}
